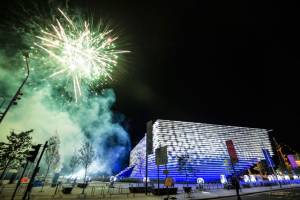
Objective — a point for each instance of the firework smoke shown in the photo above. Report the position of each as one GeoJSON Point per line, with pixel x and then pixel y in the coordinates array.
{"type": "Point", "coordinates": [47, 105]}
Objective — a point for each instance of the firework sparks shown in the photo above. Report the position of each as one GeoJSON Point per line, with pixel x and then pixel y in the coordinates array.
{"type": "Point", "coordinates": [83, 55]}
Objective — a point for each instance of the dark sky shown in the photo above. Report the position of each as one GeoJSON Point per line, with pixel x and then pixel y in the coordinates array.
{"type": "Point", "coordinates": [223, 62]}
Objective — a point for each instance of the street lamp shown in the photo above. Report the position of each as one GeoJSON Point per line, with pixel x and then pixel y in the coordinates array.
{"type": "Point", "coordinates": [2, 102]}
{"type": "Point", "coordinates": [17, 95]}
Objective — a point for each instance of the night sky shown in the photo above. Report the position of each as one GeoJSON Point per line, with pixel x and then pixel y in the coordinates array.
{"type": "Point", "coordinates": [219, 62]}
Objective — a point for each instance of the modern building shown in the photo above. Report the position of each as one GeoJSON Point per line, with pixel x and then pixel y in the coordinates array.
{"type": "Point", "coordinates": [198, 149]}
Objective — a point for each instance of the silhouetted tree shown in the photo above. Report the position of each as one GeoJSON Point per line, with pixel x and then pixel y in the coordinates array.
{"type": "Point", "coordinates": [86, 156]}
{"type": "Point", "coordinates": [74, 162]}
{"type": "Point", "coordinates": [52, 156]}
{"type": "Point", "coordinates": [183, 161]}
{"type": "Point", "coordinates": [141, 162]}
{"type": "Point", "coordinates": [13, 153]}
{"type": "Point", "coordinates": [261, 167]}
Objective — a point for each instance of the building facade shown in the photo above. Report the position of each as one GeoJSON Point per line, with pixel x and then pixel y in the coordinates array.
{"type": "Point", "coordinates": [198, 150]}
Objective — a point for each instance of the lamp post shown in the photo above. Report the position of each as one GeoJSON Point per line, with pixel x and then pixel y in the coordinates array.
{"type": "Point", "coordinates": [16, 96]}
{"type": "Point", "coordinates": [27, 192]}
{"type": "Point", "coordinates": [2, 102]}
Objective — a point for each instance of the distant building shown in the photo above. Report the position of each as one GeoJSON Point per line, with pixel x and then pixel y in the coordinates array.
{"type": "Point", "coordinates": [204, 145]}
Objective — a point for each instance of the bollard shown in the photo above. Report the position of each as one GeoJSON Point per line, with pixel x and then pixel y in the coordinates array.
{"type": "Point", "coordinates": [56, 188]}
{"type": "Point", "coordinates": [92, 190]}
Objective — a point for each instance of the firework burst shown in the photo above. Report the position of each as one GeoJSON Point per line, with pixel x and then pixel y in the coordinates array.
{"type": "Point", "coordinates": [83, 55]}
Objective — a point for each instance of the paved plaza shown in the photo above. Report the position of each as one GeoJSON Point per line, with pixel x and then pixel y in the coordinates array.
{"type": "Point", "coordinates": [99, 190]}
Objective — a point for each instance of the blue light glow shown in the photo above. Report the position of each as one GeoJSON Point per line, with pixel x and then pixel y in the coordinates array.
{"type": "Point", "coordinates": [205, 145]}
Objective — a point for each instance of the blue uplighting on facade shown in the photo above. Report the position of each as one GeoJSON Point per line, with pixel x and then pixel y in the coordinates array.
{"type": "Point", "coordinates": [205, 146]}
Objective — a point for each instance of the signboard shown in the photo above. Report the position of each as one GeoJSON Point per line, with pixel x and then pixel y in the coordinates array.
{"type": "Point", "coordinates": [55, 178]}
{"type": "Point", "coordinates": [24, 180]}
{"type": "Point", "coordinates": [161, 155]}
{"type": "Point", "coordinates": [169, 182]}
{"type": "Point", "coordinates": [292, 161]}
{"type": "Point", "coordinates": [268, 158]}
{"type": "Point", "coordinates": [231, 151]}
{"type": "Point", "coordinates": [144, 180]}
{"type": "Point", "coordinates": [149, 138]}
{"type": "Point", "coordinates": [200, 180]}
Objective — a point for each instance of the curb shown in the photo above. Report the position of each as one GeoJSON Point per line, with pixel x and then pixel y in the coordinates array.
{"type": "Point", "coordinates": [250, 193]}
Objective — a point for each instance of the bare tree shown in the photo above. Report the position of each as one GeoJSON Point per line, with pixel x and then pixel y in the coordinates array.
{"type": "Point", "coordinates": [74, 162]}
{"type": "Point", "coordinates": [52, 156]}
{"type": "Point", "coordinates": [183, 165]}
{"type": "Point", "coordinates": [141, 162]}
{"type": "Point", "coordinates": [86, 156]}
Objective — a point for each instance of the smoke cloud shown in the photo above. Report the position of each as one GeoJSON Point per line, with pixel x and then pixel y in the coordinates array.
{"type": "Point", "coordinates": [91, 120]}
{"type": "Point", "coordinates": [47, 108]}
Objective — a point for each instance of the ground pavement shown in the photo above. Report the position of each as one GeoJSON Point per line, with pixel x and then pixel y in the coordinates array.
{"type": "Point", "coordinates": [100, 190]}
